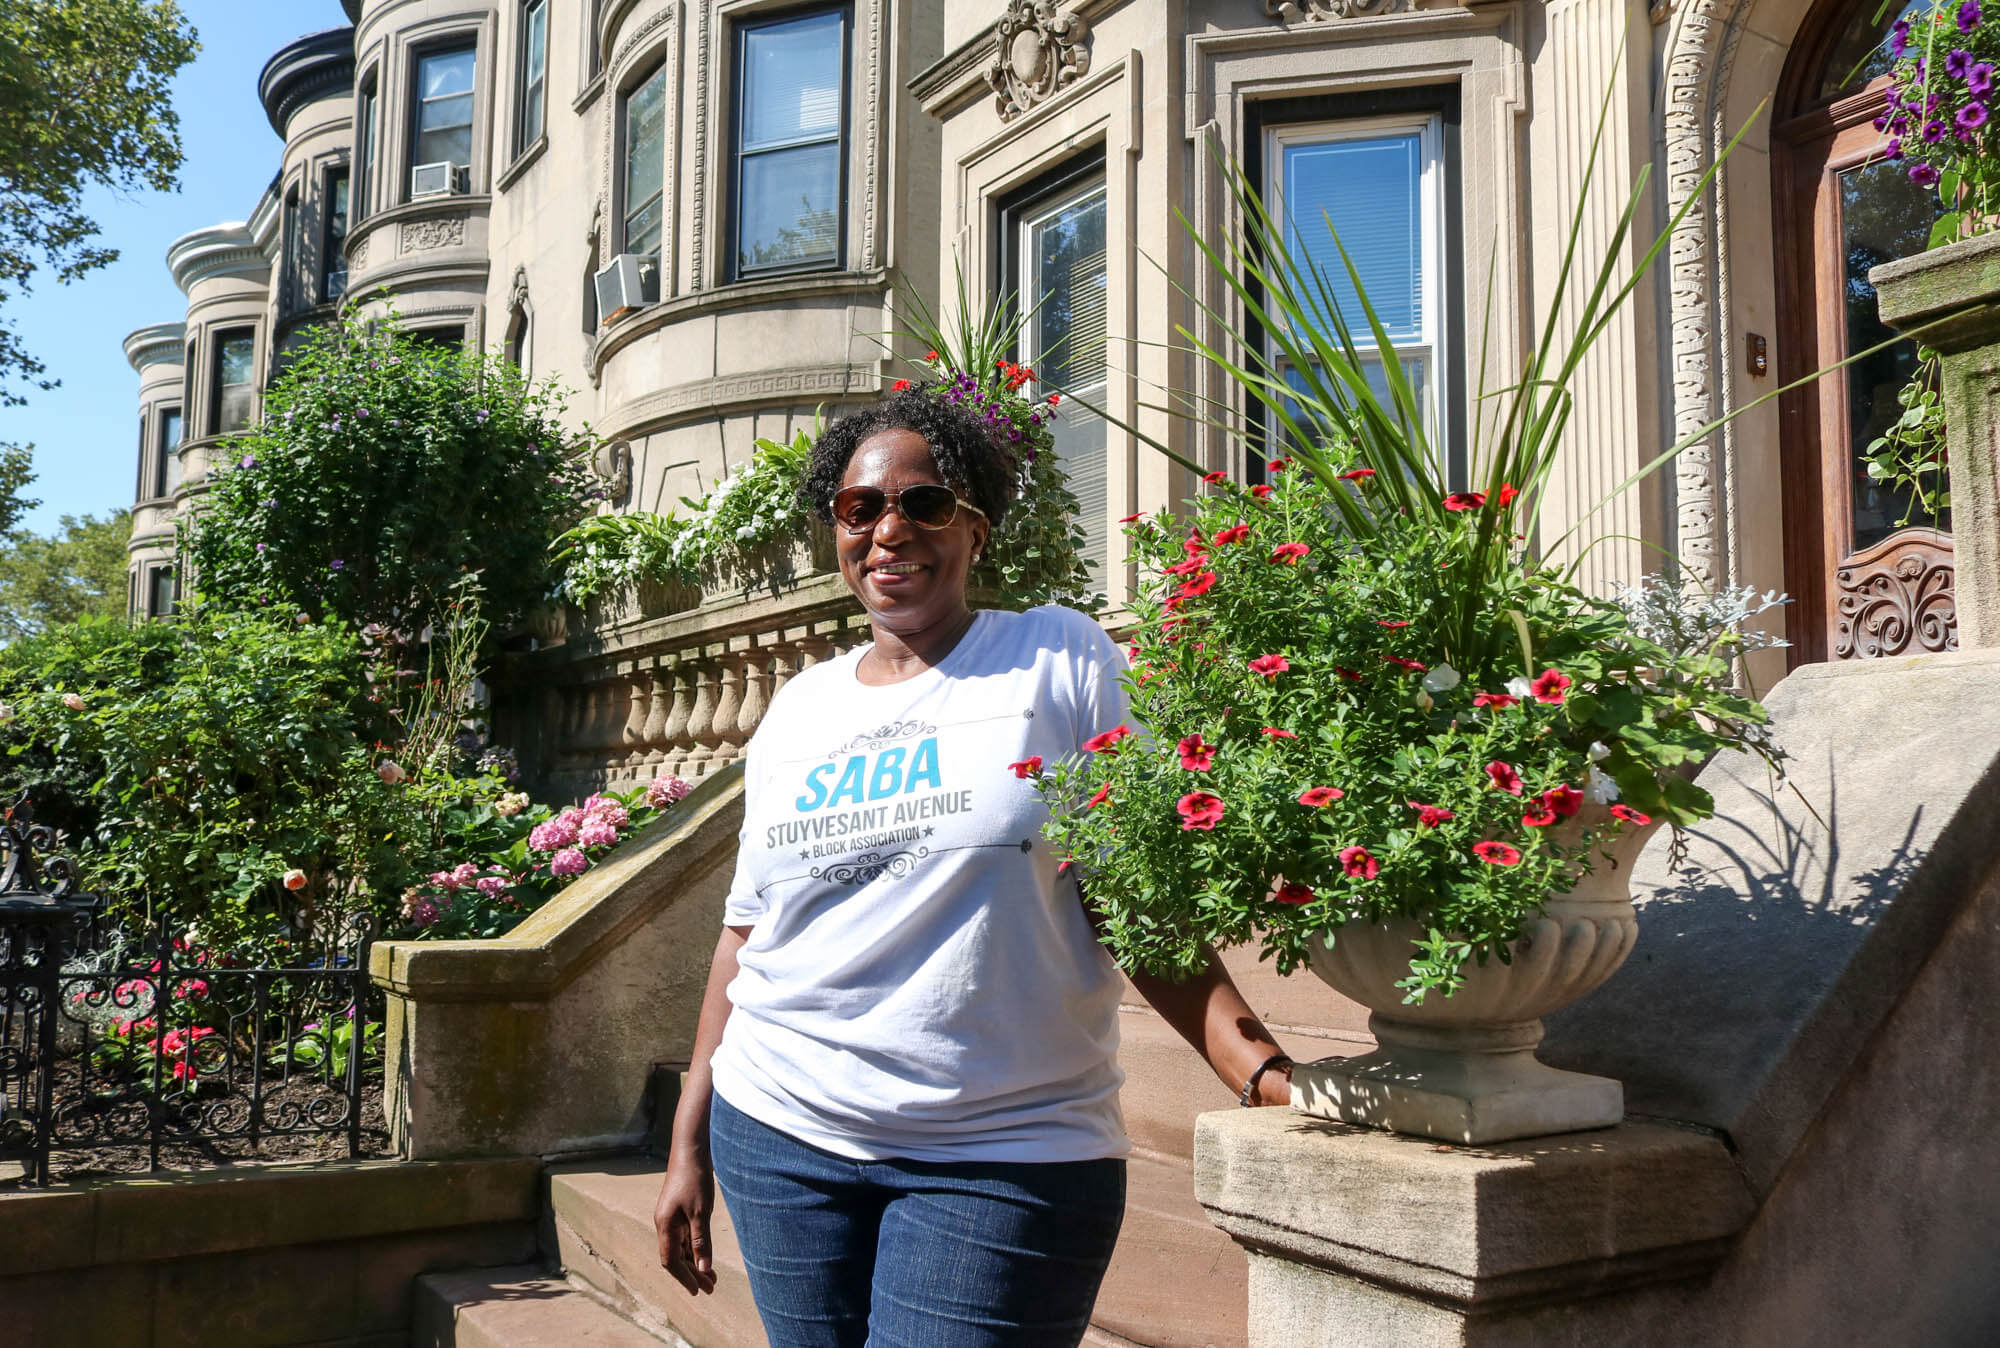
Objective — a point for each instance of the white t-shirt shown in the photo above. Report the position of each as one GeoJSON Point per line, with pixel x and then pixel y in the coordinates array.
{"type": "Point", "coordinates": [920, 981]}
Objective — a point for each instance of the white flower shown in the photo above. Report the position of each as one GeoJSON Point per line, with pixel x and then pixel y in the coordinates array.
{"type": "Point", "coordinates": [1521, 688]}
{"type": "Point", "coordinates": [511, 804]}
{"type": "Point", "coordinates": [6, 713]}
{"type": "Point", "coordinates": [74, 701]}
{"type": "Point", "coordinates": [1441, 679]}
{"type": "Point", "coordinates": [295, 879]}
{"type": "Point", "coordinates": [1600, 789]}
{"type": "Point", "coordinates": [1598, 751]}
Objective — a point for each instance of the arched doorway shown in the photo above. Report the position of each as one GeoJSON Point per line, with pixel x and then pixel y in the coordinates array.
{"type": "Point", "coordinates": [1871, 574]}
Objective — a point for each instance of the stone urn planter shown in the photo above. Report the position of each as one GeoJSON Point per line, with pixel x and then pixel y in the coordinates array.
{"type": "Point", "coordinates": [1463, 1068]}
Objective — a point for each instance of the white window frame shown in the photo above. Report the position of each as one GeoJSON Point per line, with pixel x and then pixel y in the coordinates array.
{"type": "Point", "coordinates": [531, 100]}
{"type": "Point", "coordinates": [1432, 191]}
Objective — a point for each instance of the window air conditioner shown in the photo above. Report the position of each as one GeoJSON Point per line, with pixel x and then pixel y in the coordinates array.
{"type": "Point", "coordinates": [632, 280]}
{"type": "Point", "coordinates": [437, 180]}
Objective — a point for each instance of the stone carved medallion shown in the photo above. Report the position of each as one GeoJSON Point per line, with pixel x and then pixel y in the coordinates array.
{"type": "Point", "coordinates": [1038, 51]}
{"type": "Point", "coordinates": [1896, 599]}
{"type": "Point", "coordinates": [357, 253]}
{"type": "Point", "coordinates": [420, 236]}
{"type": "Point", "coordinates": [613, 465]}
{"type": "Point", "coordinates": [1314, 11]}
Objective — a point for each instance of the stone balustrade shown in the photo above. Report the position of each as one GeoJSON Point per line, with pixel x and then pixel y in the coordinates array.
{"type": "Point", "coordinates": [643, 692]}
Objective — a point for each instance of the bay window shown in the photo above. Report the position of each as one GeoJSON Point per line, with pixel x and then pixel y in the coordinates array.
{"type": "Point", "coordinates": [788, 160]}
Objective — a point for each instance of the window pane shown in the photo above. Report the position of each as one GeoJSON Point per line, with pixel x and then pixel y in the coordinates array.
{"type": "Point", "coordinates": [534, 66]}
{"type": "Point", "coordinates": [791, 80]}
{"type": "Point", "coordinates": [160, 603]}
{"type": "Point", "coordinates": [1416, 370]}
{"type": "Point", "coordinates": [790, 205]}
{"type": "Point", "coordinates": [645, 162]}
{"type": "Point", "coordinates": [169, 476]}
{"type": "Point", "coordinates": [1369, 191]}
{"type": "Point", "coordinates": [1066, 289]}
{"type": "Point", "coordinates": [364, 151]}
{"type": "Point", "coordinates": [236, 358]}
{"type": "Point", "coordinates": [445, 73]}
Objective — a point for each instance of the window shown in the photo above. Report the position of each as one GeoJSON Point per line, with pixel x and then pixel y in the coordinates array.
{"type": "Point", "coordinates": [234, 384]}
{"type": "Point", "coordinates": [159, 592]}
{"type": "Point", "coordinates": [289, 261]}
{"type": "Point", "coordinates": [364, 148]}
{"type": "Point", "coordinates": [190, 372]}
{"type": "Point", "coordinates": [1056, 268]}
{"type": "Point", "coordinates": [139, 488]}
{"type": "Point", "coordinates": [440, 339]}
{"type": "Point", "coordinates": [1379, 184]}
{"type": "Point", "coordinates": [791, 99]}
{"type": "Point", "coordinates": [534, 73]}
{"type": "Point", "coordinates": [167, 469]}
{"type": "Point", "coordinates": [593, 49]}
{"type": "Point", "coordinates": [645, 133]}
{"type": "Point", "coordinates": [333, 248]}
{"type": "Point", "coordinates": [444, 108]}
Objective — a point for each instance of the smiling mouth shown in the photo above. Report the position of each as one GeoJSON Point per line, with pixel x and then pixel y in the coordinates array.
{"type": "Point", "coordinates": [898, 569]}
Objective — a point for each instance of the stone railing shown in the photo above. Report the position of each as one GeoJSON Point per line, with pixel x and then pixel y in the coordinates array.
{"type": "Point", "coordinates": [637, 695]}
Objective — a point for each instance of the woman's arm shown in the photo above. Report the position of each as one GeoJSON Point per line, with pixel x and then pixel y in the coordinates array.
{"type": "Point", "coordinates": [1209, 1012]}
{"type": "Point", "coordinates": [680, 1218]}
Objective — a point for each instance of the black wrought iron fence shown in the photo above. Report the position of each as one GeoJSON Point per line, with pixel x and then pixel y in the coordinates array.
{"type": "Point", "coordinates": [111, 1042]}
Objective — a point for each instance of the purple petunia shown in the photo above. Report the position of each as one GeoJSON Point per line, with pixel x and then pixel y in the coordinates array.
{"type": "Point", "coordinates": [1968, 16]}
{"type": "Point", "coordinates": [1895, 149]}
{"type": "Point", "coordinates": [1971, 117]}
{"type": "Point", "coordinates": [1956, 62]}
{"type": "Point", "coordinates": [335, 565]}
{"type": "Point", "coordinates": [1934, 130]}
{"type": "Point", "coordinates": [1979, 79]}
{"type": "Point", "coordinates": [1899, 37]}
{"type": "Point", "coordinates": [1923, 175]}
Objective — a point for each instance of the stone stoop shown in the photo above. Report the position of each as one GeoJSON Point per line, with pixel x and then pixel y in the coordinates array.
{"type": "Point", "coordinates": [518, 1308]}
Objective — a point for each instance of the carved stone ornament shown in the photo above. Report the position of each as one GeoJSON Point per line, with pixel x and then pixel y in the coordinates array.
{"type": "Point", "coordinates": [357, 253]}
{"type": "Point", "coordinates": [420, 236]}
{"type": "Point", "coordinates": [613, 465]}
{"type": "Point", "coordinates": [1314, 11]}
{"type": "Point", "coordinates": [1037, 52]}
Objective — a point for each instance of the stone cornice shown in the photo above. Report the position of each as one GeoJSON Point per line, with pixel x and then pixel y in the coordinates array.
{"type": "Point", "coordinates": [960, 75]}
{"type": "Point", "coordinates": [155, 344]}
{"type": "Point", "coordinates": [313, 67]}
{"type": "Point", "coordinates": [219, 250]}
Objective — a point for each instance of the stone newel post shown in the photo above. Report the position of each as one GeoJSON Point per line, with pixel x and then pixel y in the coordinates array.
{"type": "Point", "coordinates": [1949, 299]}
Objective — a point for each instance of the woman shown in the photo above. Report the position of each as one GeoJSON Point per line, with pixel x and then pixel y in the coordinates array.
{"type": "Point", "coordinates": [905, 1074]}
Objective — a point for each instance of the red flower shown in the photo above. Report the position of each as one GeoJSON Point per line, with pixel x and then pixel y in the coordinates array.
{"type": "Point", "coordinates": [1293, 892]}
{"type": "Point", "coordinates": [1193, 545]}
{"type": "Point", "coordinates": [1508, 491]}
{"type": "Point", "coordinates": [1027, 767]}
{"type": "Point", "coordinates": [1564, 800]}
{"type": "Point", "coordinates": [1495, 700]}
{"type": "Point", "coordinates": [1358, 864]}
{"type": "Point", "coordinates": [1357, 475]}
{"type": "Point", "coordinates": [1288, 554]}
{"type": "Point", "coordinates": [1103, 794]}
{"type": "Point", "coordinates": [1235, 533]}
{"type": "Point", "coordinates": [1415, 667]}
{"type": "Point", "coordinates": [184, 1071]}
{"type": "Point", "coordinates": [1181, 568]}
{"type": "Point", "coordinates": [1216, 476]}
{"type": "Point", "coordinates": [1465, 500]}
{"type": "Point", "coordinates": [1054, 398]}
{"type": "Point", "coordinates": [1278, 465]}
{"type": "Point", "coordinates": [1392, 622]}
{"type": "Point", "coordinates": [1430, 816]}
{"type": "Point", "coordinates": [1196, 756]}
{"type": "Point", "coordinates": [1503, 774]}
{"type": "Point", "coordinates": [1133, 518]}
{"type": "Point", "coordinates": [1539, 815]}
{"type": "Point", "coordinates": [1351, 675]}
{"type": "Point", "coordinates": [1278, 734]}
{"type": "Point", "coordinates": [1551, 687]}
{"type": "Point", "coordinates": [1106, 743]}
{"type": "Point", "coordinates": [1065, 864]}
{"type": "Point", "coordinates": [1200, 810]}
{"type": "Point", "coordinates": [1320, 795]}
{"type": "Point", "coordinates": [1270, 666]}
{"type": "Point", "coordinates": [899, 386]}
{"type": "Point", "coordinates": [1630, 815]}
{"type": "Point", "coordinates": [1496, 853]}
{"type": "Point", "coordinates": [1261, 492]}
{"type": "Point", "coordinates": [1201, 584]}
{"type": "Point", "coordinates": [930, 355]}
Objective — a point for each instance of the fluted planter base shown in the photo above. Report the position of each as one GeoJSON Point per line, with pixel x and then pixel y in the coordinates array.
{"type": "Point", "coordinates": [1463, 1085]}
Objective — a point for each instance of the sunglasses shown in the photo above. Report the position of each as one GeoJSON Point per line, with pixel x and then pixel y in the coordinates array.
{"type": "Point", "coordinates": [930, 505]}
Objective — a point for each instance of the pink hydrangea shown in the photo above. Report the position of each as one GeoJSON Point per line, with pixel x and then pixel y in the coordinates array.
{"type": "Point", "coordinates": [569, 861]}
{"type": "Point", "coordinates": [554, 834]}
{"type": "Point", "coordinates": [421, 912]}
{"type": "Point", "coordinates": [457, 878]}
{"type": "Point", "coordinates": [597, 833]}
{"type": "Point", "coordinates": [664, 791]}
{"type": "Point", "coordinates": [607, 809]}
{"type": "Point", "coordinates": [492, 886]}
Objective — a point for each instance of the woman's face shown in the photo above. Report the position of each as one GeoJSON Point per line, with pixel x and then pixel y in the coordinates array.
{"type": "Point", "coordinates": [908, 578]}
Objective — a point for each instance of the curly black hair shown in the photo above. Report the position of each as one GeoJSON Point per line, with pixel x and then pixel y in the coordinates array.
{"type": "Point", "coordinates": [968, 455]}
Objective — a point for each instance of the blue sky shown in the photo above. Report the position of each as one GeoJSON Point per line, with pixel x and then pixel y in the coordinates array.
{"type": "Point", "coordinates": [86, 432]}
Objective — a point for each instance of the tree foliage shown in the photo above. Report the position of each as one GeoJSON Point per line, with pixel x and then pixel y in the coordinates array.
{"type": "Point", "coordinates": [83, 101]}
{"type": "Point", "coordinates": [17, 470]}
{"type": "Point", "coordinates": [76, 572]}
{"type": "Point", "coordinates": [383, 472]}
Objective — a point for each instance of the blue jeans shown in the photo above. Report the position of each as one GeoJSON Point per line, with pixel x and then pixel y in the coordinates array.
{"type": "Point", "coordinates": [914, 1254]}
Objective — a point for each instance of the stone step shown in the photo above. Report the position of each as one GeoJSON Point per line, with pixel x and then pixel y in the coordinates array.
{"type": "Point", "coordinates": [1174, 1282]}
{"type": "Point", "coordinates": [518, 1307]}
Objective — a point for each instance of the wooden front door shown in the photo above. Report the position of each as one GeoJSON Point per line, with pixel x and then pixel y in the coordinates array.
{"type": "Point", "coordinates": [1871, 575]}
